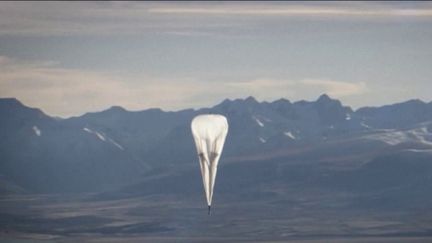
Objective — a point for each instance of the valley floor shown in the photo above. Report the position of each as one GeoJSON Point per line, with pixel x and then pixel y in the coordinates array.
{"type": "Point", "coordinates": [87, 218]}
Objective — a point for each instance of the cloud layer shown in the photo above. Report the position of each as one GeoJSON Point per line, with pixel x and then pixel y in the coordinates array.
{"type": "Point", "coordinates": [108, 18]}
{"type": "Point", "coordinates": [298, 10]}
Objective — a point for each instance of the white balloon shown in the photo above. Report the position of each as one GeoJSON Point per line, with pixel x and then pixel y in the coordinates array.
{"type": "Point", "coordinates": [209, 132]}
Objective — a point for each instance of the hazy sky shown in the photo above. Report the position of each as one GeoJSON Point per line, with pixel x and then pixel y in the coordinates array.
{"type": "Point", "coordinates": [72, 57]}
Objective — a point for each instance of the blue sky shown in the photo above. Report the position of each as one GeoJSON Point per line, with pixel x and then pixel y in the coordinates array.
{"type": "Point", "coordinates": [72, 57]}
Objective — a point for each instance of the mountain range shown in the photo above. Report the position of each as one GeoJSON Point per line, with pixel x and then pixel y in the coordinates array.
{"type": "Point", "coordinates": [150, 151]}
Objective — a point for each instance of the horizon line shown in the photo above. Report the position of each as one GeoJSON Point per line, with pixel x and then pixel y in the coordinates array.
{"type": "Point", "coordinates": [224, 100]}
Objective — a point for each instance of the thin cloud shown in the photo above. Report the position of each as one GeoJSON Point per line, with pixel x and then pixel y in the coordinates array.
{"type": "Point", "coordinates": [67, 92]}
{"type": "Point", "coordinates": [337, 88]}
{"type": "Point", "coordinates": [269, 89]}
{"type": "Point", "coordinates": [296, 10]}
{"type": "Point", "coordinates": [131, 18]}
{"type": "Point", "coordinates": [332, 87]}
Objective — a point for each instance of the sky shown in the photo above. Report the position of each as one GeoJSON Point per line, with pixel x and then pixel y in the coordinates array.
{"type": "Point", "coordinates": [68, 58]}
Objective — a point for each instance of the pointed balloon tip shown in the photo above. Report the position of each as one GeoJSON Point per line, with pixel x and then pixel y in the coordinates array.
{"type": "Point", "coordinates": [209, 207]}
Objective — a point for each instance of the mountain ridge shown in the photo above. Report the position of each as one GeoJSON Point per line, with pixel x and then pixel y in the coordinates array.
{"type": "Point", "coordinates": [248, 98]}
{"type": "Point", "coordinates": [99, 151]}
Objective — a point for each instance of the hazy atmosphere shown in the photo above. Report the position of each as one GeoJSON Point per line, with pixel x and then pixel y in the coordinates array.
{"type": "Point", "coordinates": [175, 121]}
{"type": "Point", "coordinates": [72, 57]}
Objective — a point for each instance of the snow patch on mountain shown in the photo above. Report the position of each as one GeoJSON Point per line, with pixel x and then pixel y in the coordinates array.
{"type": "Point", "coordinates": [95, 133]}
{"type": "Point", "coordinates": [103, 137]}
{"type": "Point", "coordinates": [422, 134]}
{"type": "Point", "coordinates": [419, 150]}
{"type": "Point", "coordinates": [391, 138]}
{"type": "Point", "coordinates": [262, 140]}
{"type": "Point", "coordinates": [364, 125]}
{"type": "Point", "coordinates": [258, 122]}
{"type": "Point", "coordinates": [116, 144]}
{"type": "Point", "coordinates": [290, 135]}
{"type": "Point", "coordinates": [37, 131]}
{"type": "Point", "coordinates": [394, 137]}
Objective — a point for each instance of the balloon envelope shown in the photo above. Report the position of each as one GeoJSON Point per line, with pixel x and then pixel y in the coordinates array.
{"type": "Point", "coordinates": [209, 132]}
